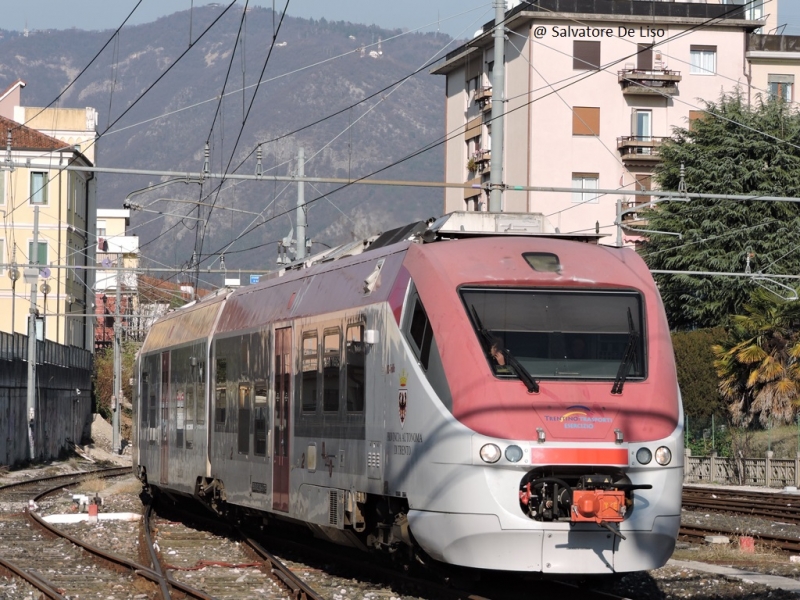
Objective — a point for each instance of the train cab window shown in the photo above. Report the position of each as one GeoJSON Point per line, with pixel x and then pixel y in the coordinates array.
{"type": "Point", "coordinates": [330, 370]}
{"type": "Point", "coordinates": [354, 367]}
{"type": "Point", "coordinates": [421, 333]}
{"type": "Point", "coordinates": [310, 366]}
{"type": "Point", "coordinates": [558, 334]}
{"type": "Point", "coordinates": [244, 418]}
{"type": "Point", "coordinates": [260, 419]}
{"type": "Point", "coordinates": [220, 399]}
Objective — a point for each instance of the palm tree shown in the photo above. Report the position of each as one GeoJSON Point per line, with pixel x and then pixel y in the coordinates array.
{"type": "Point", "coordinates": [759, 363]}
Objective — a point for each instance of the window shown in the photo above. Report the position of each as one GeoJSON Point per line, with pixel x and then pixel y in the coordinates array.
{"type": "Point", "coordinates": [310, 368]}
{"type": "Point", "coordinates": [354, 368]}
{"type": "Point", "coordinates": [260, 419]}
{"type": "Point", "coordinates": [781, 86]}
{"type": "Point", "coordinates": [38, 187]}
{"type": "Point", "coordinates": [695, 115]}
{"type": "Point", "coordinates": [421, 333]}
{"type": "Point", "coordinates": [703, 60]}
{"type": "Point", "coordinates": [41, 258]}
{"type": "Point", "coordinates": [330, 370]}
{"type": "Point", "coordinates": [101, 228]}
{"type": "Point", "coordinates": [585, 181]}
{"type": "Point", "coordinates": [221, 402]}
{"type": "Point", "coordinates": [644, 57]}
{"type": "Point", "coordinates": [585, 55]}
{"type": "Point", "coordinates": [244, 419]}
{"type": "Point", "coordinates": [559, 334]}
{"type": "Point", "coordinates": [585, 120]}
{"type": "Point", "coordinates": [644, 183]}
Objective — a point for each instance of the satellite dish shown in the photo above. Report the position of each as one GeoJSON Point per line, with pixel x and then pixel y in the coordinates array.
{"type": "Point", "coordinates": [45, 288]}
{"type": "Point", "coordinates": [106, 262]}
{"type": "Point", "coordinates": [45, 273]}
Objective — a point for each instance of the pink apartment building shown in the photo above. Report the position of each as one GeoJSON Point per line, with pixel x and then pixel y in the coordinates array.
{"type": "Point", "coordinates": [591, 89]}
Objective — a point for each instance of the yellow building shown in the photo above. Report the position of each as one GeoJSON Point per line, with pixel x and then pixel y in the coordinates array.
{"type": "Point", "coordinates": [33, 175]}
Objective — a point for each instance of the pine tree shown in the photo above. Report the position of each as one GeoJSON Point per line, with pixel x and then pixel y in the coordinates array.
{"type": "Point", "coordinates": [733, 149]}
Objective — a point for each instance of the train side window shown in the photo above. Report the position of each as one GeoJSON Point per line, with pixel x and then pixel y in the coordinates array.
{"type": "Point", "coordinates": [260, 419]}
{"type": "Point", "coordinates": [244, 418]}
{"type": "Point", "coordinates": [354, 367]}
{"type": "Point", "coordinates": [220, 401]}
{"type": "Point", "coordinates": [145, 397]}
{"type": "Point", "coordinates": [200, 418]}
{"type": "Point", "coordinates": [330, 370]}
{"type": "Point", "coordinates": [421, 333]}
{"type": "Point", "coordinates": [245, 355]}
{"type": "Point", "coordinates": [190, 415]}
{"type": "Point", "coordinates": [309, 380]}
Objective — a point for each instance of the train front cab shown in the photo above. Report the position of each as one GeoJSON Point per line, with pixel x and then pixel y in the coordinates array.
{"type": "Point", "coordinates": [470, 499]}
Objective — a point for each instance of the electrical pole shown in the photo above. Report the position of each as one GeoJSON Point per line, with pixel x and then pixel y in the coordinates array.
{"type": "Point", "coordinates": [498, 107]}
{"type": "Point", "coordinates": [301, 209]}
{"type": "Point", "coordinates": [32, 278]}
{"type": "Point", "coordinates": [116, 404]}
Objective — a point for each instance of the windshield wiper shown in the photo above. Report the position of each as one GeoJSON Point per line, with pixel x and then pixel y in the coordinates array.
{"type": "Point", "coordinates": [511, 361]}
{"type": "Point", "coordinates": [628, 358]}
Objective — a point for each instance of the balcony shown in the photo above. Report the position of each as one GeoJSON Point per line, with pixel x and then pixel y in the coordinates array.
{"type": "Point", "coordinates": [646, 83]}
{"type": "Point", "coordinates": [639, 149]}
{"type": "Point", "coordinates": [483, 98]}
{"type": "Point", "coordinates": [483, 160]}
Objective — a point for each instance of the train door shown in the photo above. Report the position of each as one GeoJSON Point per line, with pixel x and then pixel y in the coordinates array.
{"type": "Point", "coordinates": [283, 393]}
{"type": "Point", "coordinates": [164, 417]}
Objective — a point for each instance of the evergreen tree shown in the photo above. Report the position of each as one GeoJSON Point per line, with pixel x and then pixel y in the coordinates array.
{"type": "Point", "coordinates": [733, 149]}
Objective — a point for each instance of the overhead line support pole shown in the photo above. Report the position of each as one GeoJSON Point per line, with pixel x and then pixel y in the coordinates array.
{"type": "Point", "coordinates": [116, 406]}
{"type": "Point", "coordinates": [498, 108]}
{"type": "Point", "coordinates": [32, 277]}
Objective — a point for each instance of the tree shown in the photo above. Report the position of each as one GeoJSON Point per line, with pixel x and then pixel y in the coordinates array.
{"type": "Point", "coordinates": [733, 149]}
{"type": "Point", "coordinates": [103, 379]}
{"type": "Point", "coordinates": [758, 364]}
{"type": "Point", "coordinates": [697, 376]}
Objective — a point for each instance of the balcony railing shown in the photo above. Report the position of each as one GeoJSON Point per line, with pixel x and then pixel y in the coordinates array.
{"type": "Point", "coordinates": [483, 95]}
{"type": "Point", "coordinates": [660, 82]}
{"type": "Point", "coordinates": [483, 159]}
{"type": "Point", "coordinates": [633, 148]}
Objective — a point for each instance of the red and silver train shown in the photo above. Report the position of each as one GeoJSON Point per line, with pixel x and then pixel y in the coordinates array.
{"type": "Point", "coordinates": [505, 402]}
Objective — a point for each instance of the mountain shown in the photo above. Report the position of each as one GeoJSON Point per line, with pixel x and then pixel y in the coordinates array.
{"type": "Point", "coordinates": [316, 68]}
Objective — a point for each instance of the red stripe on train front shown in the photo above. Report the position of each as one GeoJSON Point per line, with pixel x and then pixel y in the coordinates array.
{"type": "Point", "coordinates": [579, 456]}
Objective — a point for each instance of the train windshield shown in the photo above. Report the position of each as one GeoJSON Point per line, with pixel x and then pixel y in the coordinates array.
{"type": "Point", "coordinates": [560, 334]}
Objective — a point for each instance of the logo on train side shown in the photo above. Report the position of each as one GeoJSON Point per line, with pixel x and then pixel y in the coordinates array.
{"type": "Point", "coordinates": [402, 397]}
{"type": "Point", "coordinates": [578, 417]}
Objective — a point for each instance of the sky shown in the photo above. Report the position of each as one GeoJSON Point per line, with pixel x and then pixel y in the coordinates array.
{"type": "Point", "coordinates": [458, 18]}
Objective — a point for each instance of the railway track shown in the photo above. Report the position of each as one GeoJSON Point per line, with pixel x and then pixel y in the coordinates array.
{"type": "Point", "coordinates": [782, 507]}
{"type": "Point", "coordinates": [46, 560]}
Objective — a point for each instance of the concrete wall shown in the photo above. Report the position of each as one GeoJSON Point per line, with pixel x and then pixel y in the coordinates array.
{"type": "Point", "coordinates": [63, 414]}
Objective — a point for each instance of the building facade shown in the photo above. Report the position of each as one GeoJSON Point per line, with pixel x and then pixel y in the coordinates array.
{"type": "Point", "coordinates": [592, 88]}
{"type": "Point", "coordinates": [33, 177]}
{"type": "Point", "coordinates": [117, 261]}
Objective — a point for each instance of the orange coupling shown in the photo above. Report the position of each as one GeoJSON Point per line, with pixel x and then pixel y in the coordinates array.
{"type": "Point", "coordinates": [598, 506]}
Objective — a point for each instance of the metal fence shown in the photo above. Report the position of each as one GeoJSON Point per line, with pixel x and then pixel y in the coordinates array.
{"type": "Point", "coordinates": [15, 347]}
{"type": "Point", "coordinates": [766, 472]}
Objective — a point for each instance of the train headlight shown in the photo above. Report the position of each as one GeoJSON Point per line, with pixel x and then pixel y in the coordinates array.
{"type": "Point", "coordinates": [644, 456]}
{"type": "Point", "coordinates": [490, 453]}
{"type": "Point", "coordinates": [663, 455]}
{"type": "Point", "coordinates": [513, 454]}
